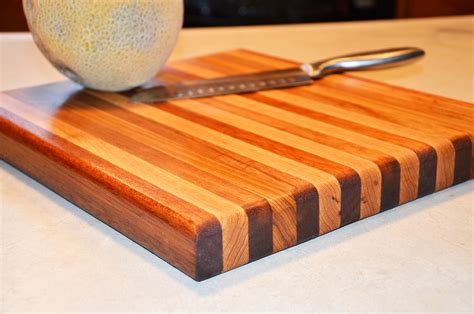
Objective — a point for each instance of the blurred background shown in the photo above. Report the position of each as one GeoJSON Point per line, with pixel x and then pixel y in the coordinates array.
{"type": "Point", "coordinates": [208, 13]}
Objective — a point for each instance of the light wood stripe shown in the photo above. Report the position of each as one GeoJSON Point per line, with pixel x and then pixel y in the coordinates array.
{"type": "Point", "coordinates": [231, 216]}
{"type": "Point", "coordinates": [269, 62]}
{"type": "Point", "coordinates": [284, 223]}
{"type": "Point", "coordinates": [327, 185]}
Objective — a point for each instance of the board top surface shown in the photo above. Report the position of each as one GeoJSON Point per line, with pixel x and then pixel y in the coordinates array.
{"type": "Point", "coordinates": [250, 175]}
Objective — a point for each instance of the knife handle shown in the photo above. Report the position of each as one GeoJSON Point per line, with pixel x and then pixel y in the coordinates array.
{"type": "Point", "coordinates": [369, 60]}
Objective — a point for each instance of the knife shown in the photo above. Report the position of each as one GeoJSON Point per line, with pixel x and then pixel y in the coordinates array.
{"type": "Point", "coordinates": [298, 76]}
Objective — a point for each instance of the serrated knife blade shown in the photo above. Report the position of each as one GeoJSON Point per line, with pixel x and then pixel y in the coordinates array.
{"type": "Point", "coordinates": [223, 86]}
{"type": "Point", "coordinates": [298, 76]}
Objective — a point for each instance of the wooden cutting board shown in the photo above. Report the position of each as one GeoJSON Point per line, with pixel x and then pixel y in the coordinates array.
{"type": "Point", "coordinates": [213, 184]}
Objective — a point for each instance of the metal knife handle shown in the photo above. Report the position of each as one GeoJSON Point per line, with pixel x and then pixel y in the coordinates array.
{"type": "Point", "coordinates": [363, 61]}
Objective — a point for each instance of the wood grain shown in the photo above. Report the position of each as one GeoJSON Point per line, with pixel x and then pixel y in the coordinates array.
{"type": "Point", "coordinates": [212, 184]}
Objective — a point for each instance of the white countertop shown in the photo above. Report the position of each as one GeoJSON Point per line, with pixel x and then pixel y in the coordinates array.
{"type": "Point", "coordinates": [418, 257]}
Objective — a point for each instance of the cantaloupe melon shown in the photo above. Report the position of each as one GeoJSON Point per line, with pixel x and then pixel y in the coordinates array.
{"type": "Point", "coordinates": [110, 45]}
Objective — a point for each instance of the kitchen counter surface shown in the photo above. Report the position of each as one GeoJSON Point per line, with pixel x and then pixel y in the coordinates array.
{"type": "Point", "coordinates": [418, 257]}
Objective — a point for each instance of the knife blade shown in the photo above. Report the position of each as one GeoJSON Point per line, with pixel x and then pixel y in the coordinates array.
{"type": "Point", "coordinates": [298, 76]}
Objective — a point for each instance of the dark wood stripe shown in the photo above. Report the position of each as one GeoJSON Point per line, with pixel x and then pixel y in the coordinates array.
{"type": "Point", "coordinates": [347, 177]}
{"type": "Point", "coordinates": [209, 252]}
{"type": "Point", "coordinates": [307, 213]}
{"type": "Point", "coordinates": [390, 169]}
{"type": "Point", "coordinates": [175, 76]}
{"type": "Point", "coordinates": [260, 230]}
{"type": "Point", "coordinates": [282, 61]}
{"type": "Point", "coordinates": [462, 165]}
{"type": "Point", "coordinates": [230, 64]}
{"type": "Point", "coordinates": [33, 146]}
{"type": "Point", "coordinates": [428, 170]}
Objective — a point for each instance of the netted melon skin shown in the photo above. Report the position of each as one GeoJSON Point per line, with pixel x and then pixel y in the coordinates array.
{"type": "Point", "coordinates": [108, 45]}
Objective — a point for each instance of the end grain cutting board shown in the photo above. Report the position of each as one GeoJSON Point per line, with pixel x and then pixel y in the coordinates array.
{"type": "Point", "coordinates": [213, 184]}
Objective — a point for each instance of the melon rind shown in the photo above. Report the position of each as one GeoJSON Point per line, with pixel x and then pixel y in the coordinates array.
{"type": "Point", "coordinates": [108, 45]}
